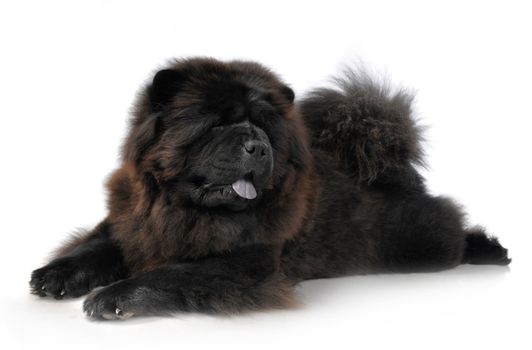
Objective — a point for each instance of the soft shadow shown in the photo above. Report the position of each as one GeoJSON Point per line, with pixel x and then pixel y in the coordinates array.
{"type": "Point", "coordinates": [314, 291]}
{"type": "Point", "coordinates": [489, 271]}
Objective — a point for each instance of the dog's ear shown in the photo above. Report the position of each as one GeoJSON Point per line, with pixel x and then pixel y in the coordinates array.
{"type": "Point", "coordinates": [288, 93]}
{"type": "Point", "coordinates": [166, 83]}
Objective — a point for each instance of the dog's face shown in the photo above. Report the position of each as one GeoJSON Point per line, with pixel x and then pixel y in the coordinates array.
{"type": "Point", "coordinates": [217, 134]}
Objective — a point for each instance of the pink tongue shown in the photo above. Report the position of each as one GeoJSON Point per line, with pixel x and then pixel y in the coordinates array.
{"type": "Point", "coordinates": [244, 189]}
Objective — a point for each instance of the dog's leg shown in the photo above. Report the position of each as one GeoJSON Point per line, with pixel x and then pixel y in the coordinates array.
{"type": "Point", "coordinates": [425, 233]}
{"type": "Point", "coordinates": [245, 279]}
{"type": "Point", "coordinates": [86, 262]}
{"type": "Point", "coordinates": [482, 249]}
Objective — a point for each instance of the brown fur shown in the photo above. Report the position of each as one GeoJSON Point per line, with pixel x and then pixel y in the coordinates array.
{"type": "Point", "coordinates": [151, 235]}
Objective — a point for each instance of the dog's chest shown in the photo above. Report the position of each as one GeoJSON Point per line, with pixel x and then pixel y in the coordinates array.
{"type": "Point", "coordinates": [162, 241]}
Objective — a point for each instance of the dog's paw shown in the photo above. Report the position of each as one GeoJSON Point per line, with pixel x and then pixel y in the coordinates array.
{"type": "Point", "coordinates": [59, 279]}
{"type": "Point", "coordinates": [114, 302]}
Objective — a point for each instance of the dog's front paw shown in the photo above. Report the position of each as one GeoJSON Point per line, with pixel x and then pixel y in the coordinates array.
{"type": "Point", "coordinates": [60, 278]}
{"type": "Point", "coordinates": [115, 302]}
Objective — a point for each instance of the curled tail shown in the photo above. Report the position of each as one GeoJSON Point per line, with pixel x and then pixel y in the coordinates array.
{"type": "Point", "coordinates": [366, 126]}
{"type": "Point", "coordinates": [482, 249]}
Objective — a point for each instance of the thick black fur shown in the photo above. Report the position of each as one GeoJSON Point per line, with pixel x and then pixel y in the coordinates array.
{"type": "Point", "coordinates": [348, 199]}
{"type": "Point", "coordinates": [373, 199]}
{"type": "Point", "coordinates": [366, 127]}
{"type": "Point", "coordinates": [482, 249]}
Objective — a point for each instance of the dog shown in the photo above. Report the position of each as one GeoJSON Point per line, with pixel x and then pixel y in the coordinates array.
{"type": "Point", "coordinates": [230, 192]}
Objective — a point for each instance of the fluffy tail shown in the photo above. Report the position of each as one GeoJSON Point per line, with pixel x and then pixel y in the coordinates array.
{"type": "Point", "coordinates": [484, 250]}
{"type": "Point", "coordinates": [365, 125]}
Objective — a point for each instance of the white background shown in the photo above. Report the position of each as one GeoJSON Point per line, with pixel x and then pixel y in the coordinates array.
{"type": "Point", "coordinates": [69, 72]}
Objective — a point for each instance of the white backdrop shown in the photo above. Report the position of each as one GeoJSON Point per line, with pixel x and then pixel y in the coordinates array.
{"type": "Point", "coordinates": [69, 71]}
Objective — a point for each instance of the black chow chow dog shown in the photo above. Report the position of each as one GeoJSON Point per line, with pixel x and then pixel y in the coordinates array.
{"type": "Point", "coordinates": [229, 194]}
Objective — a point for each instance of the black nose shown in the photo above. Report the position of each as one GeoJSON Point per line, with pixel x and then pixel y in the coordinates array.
{"type": "Point", "coordinates": [255, 148]}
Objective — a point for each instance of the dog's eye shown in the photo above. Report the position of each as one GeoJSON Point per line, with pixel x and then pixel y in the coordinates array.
{"type": "Point", "coordinates": [267, 118]}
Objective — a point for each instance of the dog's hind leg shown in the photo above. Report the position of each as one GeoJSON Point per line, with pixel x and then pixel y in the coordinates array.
{"type": "Point", "coordinates": [425, 233]}
{"type": "Point", "coordinates": [482, 249]}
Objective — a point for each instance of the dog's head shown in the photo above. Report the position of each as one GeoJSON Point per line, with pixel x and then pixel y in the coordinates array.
{"type": "Point", "coordinates": [216, 134]}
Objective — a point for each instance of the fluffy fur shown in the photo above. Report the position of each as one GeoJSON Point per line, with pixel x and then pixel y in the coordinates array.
{"type": "Point", "coordinates": [332, 189]}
